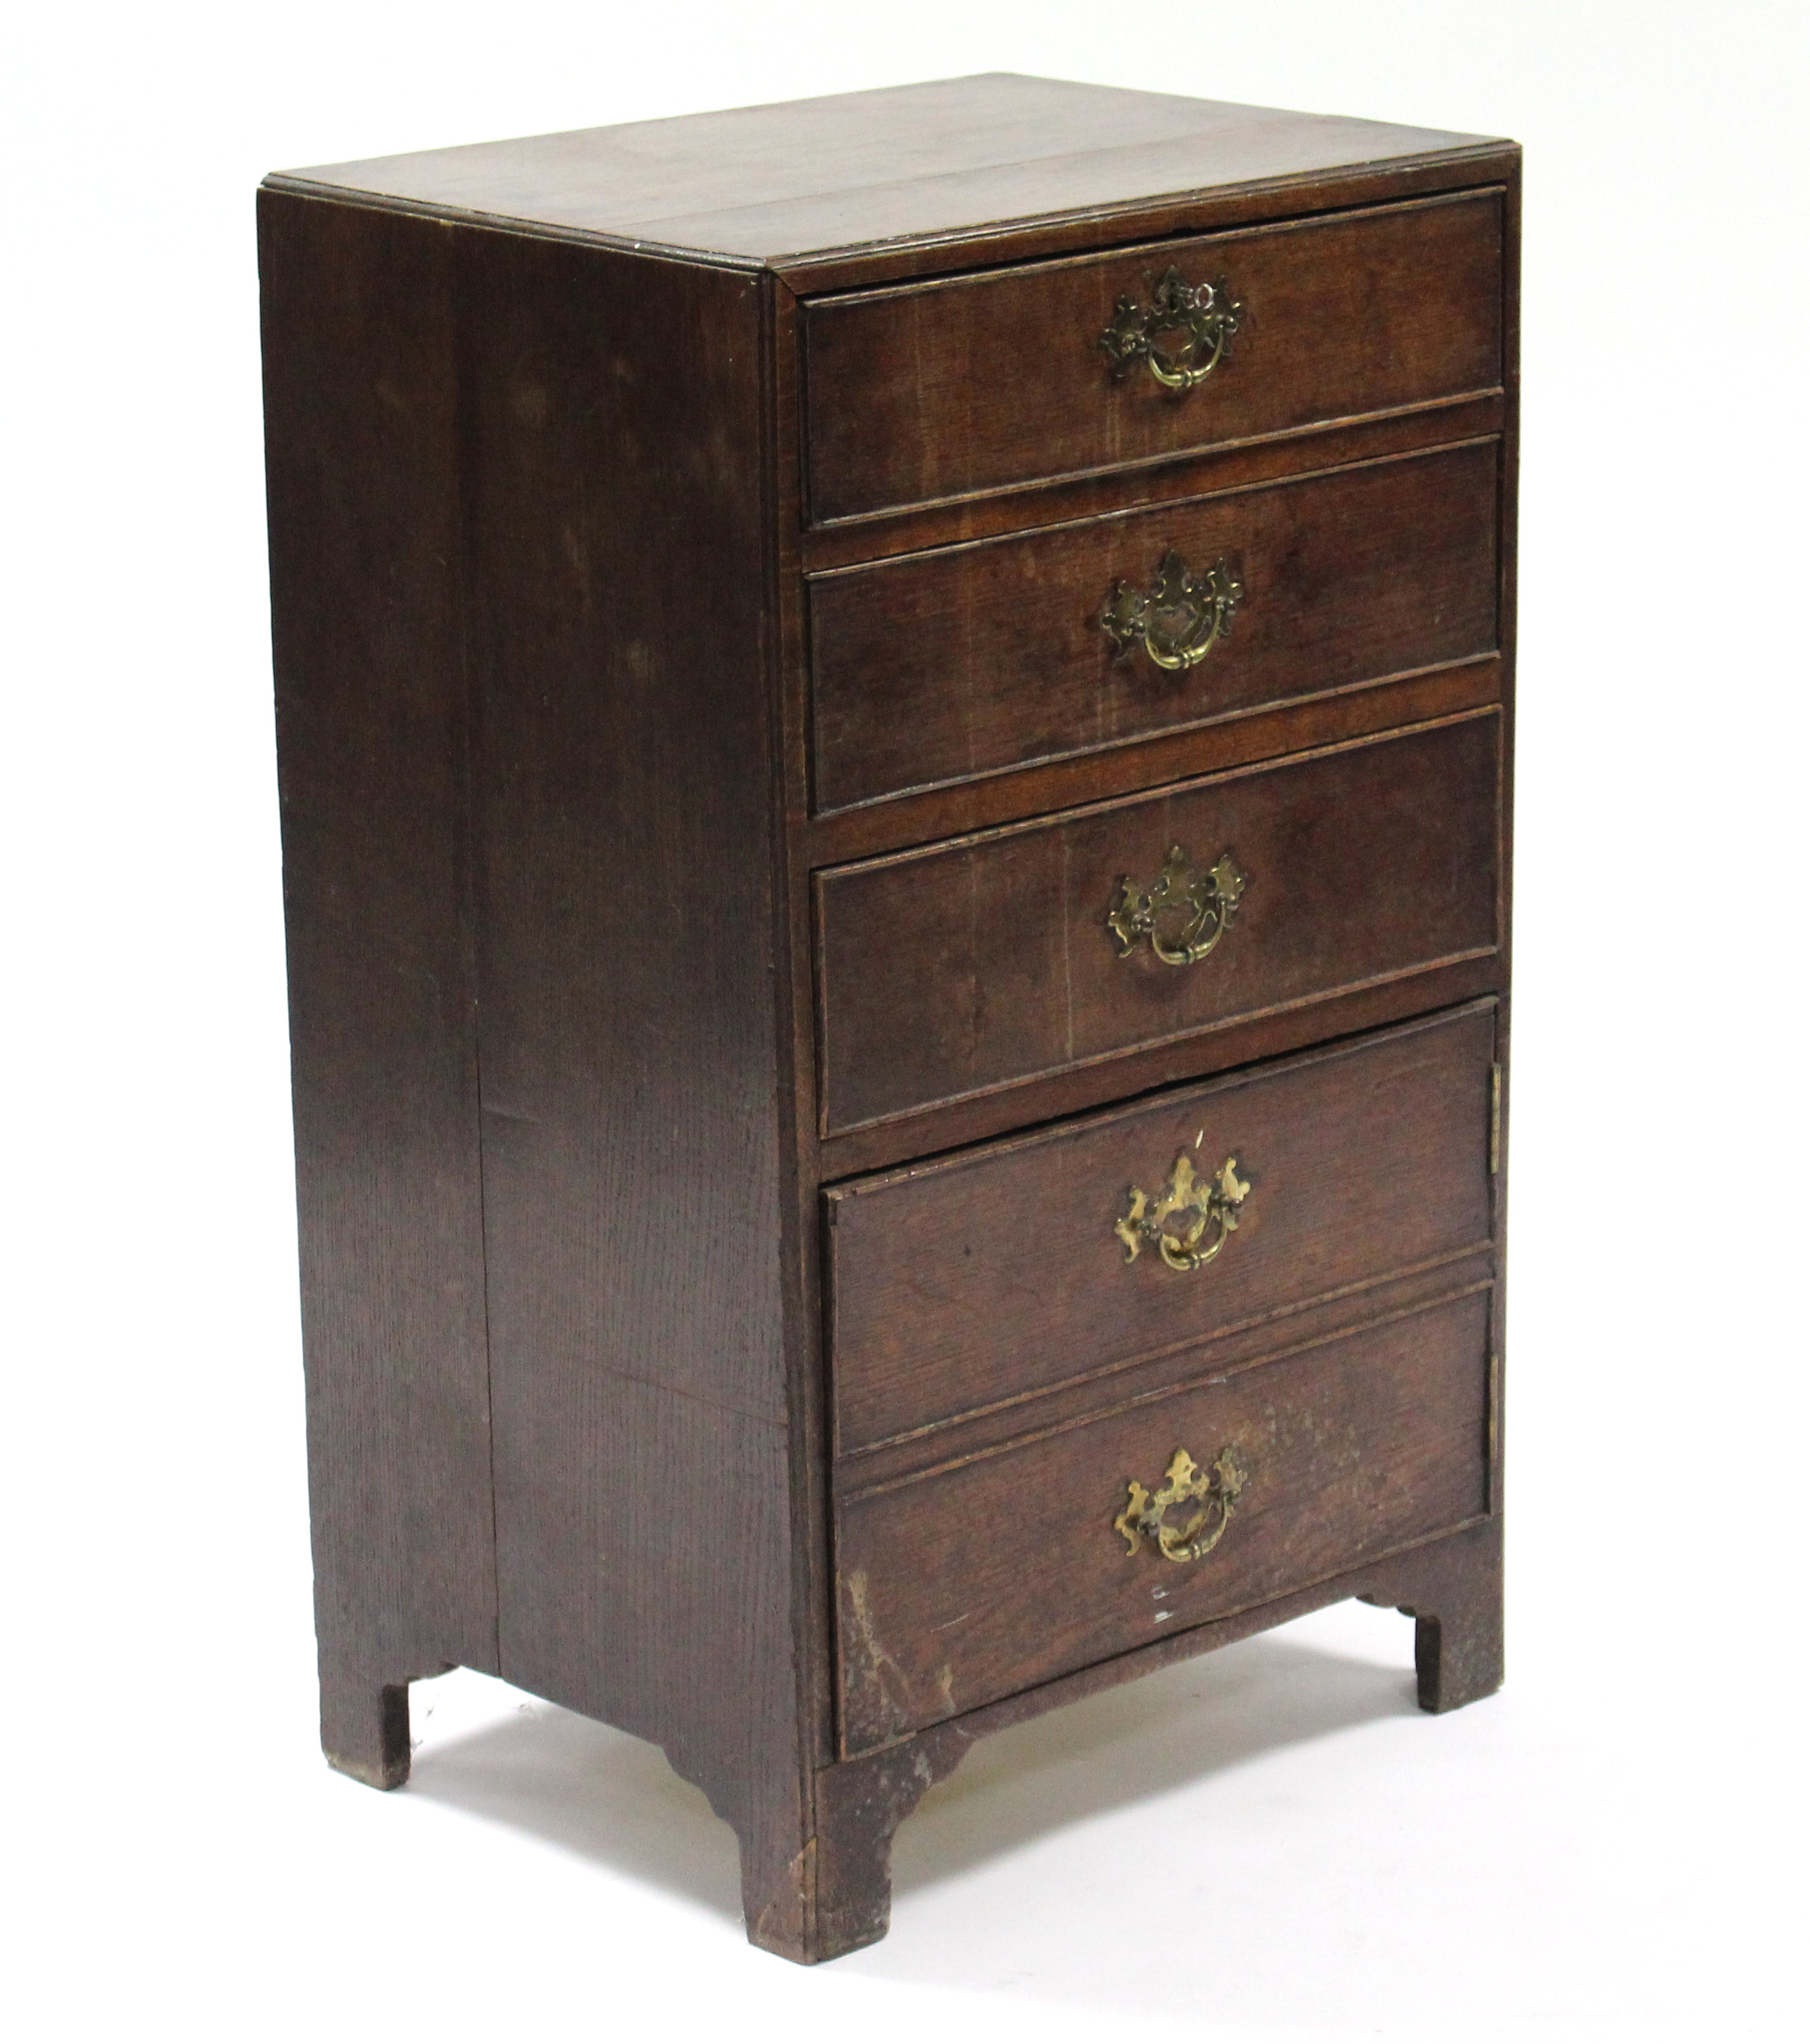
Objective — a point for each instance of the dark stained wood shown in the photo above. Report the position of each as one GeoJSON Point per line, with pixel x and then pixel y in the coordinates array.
{"type": "Point", "coordinates": [906, 164]}
{"type": "Point", "coordinates": [944, 390]}
{"type": "Point", "coordinates": [960, 1283]}
{"type": "Point", "coordinates": [360, 406]}
{"type": "Point", "coordinates": [938, 1130]}
{"type": "Point", "coordinates": [1452, 1589]}
{"type": "Point", "coordinates": [1489, 1598]}
{"type": "Point", "coordinates": [988, 1578]}
{"type": "Point", "coordinates": [629, 1038]}
{"type": "Point", "coordinates": [1203, 209]}
{"type": "Point", "coordinates": [1456, 1580]}
{"type": "Point", "coordinates": [860, 1803]}
{"type": "Point", "coordinates": [1303, 725]}
{"type": "Point", "coordinates": [1201, 472]}
{"type": "Point", "coordinates": [985, 1428]}
{"type": "Point", "coordinates": [540, 562]}
{"type": "Point", "coordinates": [962, 968]}
{"type": "Point", "coordinates": [807, 1382]}
{"type": "Point", "coordinates": [946, 666]}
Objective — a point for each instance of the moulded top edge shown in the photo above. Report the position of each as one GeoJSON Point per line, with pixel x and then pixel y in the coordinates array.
{"type": "Point", "coordinates": [781, 184]}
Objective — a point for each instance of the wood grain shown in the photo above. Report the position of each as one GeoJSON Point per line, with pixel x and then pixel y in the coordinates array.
{"type": "Point", "coordinates": [1003, 1573]}
{"type": "Point", "coordinates": [962, 968]}
{"type": "Point", "coordinates": [1204, 209]}
{"type": "Point", "coordinates": [1304, 724]}
{"type": "Point", "coordinates": [924, 392]}
{"type": "Point", "coordinates": [1205, 472]}
{"type": "Point", "coordinates": [946, 666]}
{"type": "Point", "coordinates": [936, 1132]}
{"type": "Point", "coordinates": [372, 728]}
{"type": "Point", "coordinates": [1450, 1585]}
{"type": "Point", "coordinates": [630, 1043]}
{"type": "Point", "coordinates": [996, 1272]}
{"type": "Point", "coordinates": [541, 557]}
{"type": "Point", "coordinates": [986, 1429]}
{"type": "Point", "coordinates": [907, 163]}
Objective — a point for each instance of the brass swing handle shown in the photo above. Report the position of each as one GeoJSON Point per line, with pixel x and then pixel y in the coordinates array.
{"type": "Point", "coordinates": [1181, 336]}
{"type": "Point", "coordinates": [1216, 1490]}
{"type": "Point", "coordinates": [1179, 619]}
{"type": "Point", "coordinates": [1191, 1223]}
{"type": "Point", "coordinates": [1184, 915]}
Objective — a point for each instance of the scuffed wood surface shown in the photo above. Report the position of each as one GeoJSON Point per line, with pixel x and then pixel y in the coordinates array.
{"type": "Point", "coordinates": [982, 964]}
{"type": "Point", "coordinates": [937, 390]}
{"type": "Point", "coordinates": [966, 1586]}
{"type": "Point", "coordinates": [967, 661]}
{"type": "Point", "coordinates": [760, 184]}
{"type": "Point", "coordinates": [998, 1273]}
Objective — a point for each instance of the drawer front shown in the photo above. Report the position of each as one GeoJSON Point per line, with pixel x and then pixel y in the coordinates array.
{"type": "Point", "coordinates": [961, 1286]}
{"type": "Point", "coordinates": [944, 667]}
{"type": "Point", "coordinates": [950, 972]}
{"type": "Point", "coordinates": [923, 393]}
{"type": "Point", "coordinates": [969, 1585]}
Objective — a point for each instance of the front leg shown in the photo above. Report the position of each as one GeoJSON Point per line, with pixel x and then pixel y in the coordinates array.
{"type": "Point", "coordinates": [1452, 1589]}
{"type": "Point", "coordinates": [835, 1896]}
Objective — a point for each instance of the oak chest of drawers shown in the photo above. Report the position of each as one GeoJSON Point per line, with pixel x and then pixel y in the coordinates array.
{"type": "Point", "coordinates": [893, 718]}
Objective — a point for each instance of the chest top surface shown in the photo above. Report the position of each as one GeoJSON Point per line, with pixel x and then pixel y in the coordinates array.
{"type": "Point", "coordinates": [762, 185]}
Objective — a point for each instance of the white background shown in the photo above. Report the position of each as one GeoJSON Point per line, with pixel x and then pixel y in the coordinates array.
{"type": "Point", "coordinates": [1269, 1843]}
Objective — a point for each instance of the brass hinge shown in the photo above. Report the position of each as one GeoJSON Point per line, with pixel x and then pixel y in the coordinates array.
{"type": "Point", "coordinates": [1495, 1120]}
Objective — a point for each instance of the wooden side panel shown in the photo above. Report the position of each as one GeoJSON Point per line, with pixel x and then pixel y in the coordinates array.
{"type": "Point", "coordinates": [633, 1174]}
{"type": "Point", "coordinates": [968, 1585]}
{"type": "Point", "coordinates": [372, 747]}
{"type": "Point", "coordinates": [967, 661]}
{"type": "Point", "coordinates": [997, 1273]}
{"type": "Point", "coordinates": [979, 965]}
{"type": "Point", "coordinates": [932, 391]}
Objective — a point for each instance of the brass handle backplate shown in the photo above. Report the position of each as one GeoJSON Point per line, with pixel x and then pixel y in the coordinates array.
{"type": "Point", "coordinates": [1210, 1206]}
{"type": "Point", "coordinates": [1179, 619]}
{"type": "Point", "coordinates": [1216, 1490]}
{"type": "Point", "coordinates": [1181, 336]}
{"type": "Point", "coordinates": [1184, 914]}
